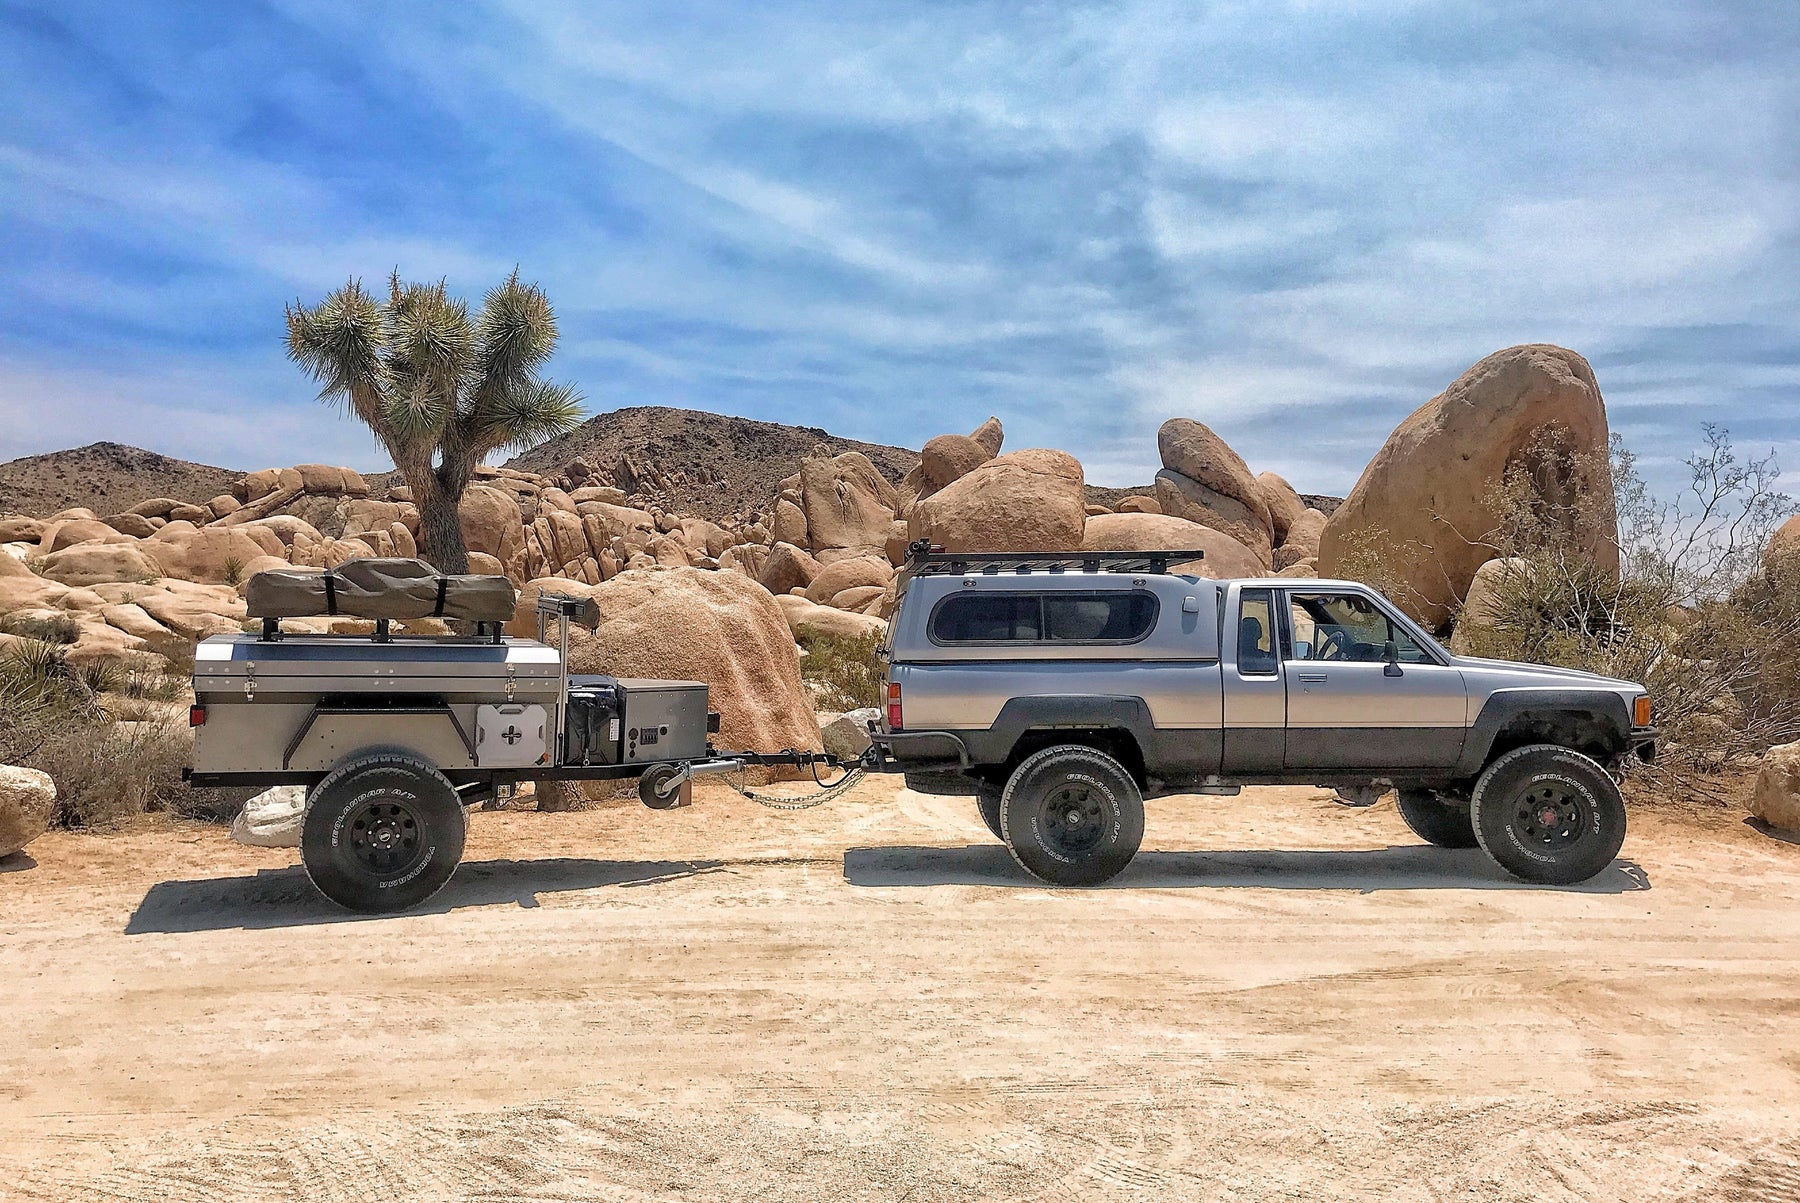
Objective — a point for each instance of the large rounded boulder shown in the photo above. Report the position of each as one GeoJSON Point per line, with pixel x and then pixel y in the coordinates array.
{"type": "Point", "coordinates": [1425, 502]}
{"type": "Point", "coordinates": [691, 625]}
{"type": "Point", "coordinates": [1022, 501]}
{"type": "Point", "coordinates": [848, 505]}
{"type": "Point", "coordinates": [1225, 557]}
{"type": "Point", "coordinates": [27, 800]}
{"type": "Point", "coordinates": [1205, 481]}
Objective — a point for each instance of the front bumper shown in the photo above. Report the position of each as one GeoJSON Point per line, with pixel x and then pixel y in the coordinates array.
{"type": "Point", "coordinates": [1642, 743]}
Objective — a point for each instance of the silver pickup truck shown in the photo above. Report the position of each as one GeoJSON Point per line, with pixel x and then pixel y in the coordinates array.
{"type": "Point", "coordinates": [1060, 691]}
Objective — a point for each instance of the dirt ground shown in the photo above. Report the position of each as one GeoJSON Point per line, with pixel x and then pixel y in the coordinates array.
{"type": "Point", "coordinates": [1281, 999]}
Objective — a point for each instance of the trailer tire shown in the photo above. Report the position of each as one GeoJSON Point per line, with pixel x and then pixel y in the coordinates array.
{"type": "Point", "coordinates": [1072, 816]}
{"type": "Point", "coordinates": [1548, 814]}
{"type": "Point", "coordinates": [382, 833]}
{"type": "Point", "coordinates": [655, 781]}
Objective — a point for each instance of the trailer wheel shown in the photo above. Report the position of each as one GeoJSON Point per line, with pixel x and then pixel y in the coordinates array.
{"type": "Point", "coordinates": [382, 833]}
{"type": "Point", "coordinates": [1435, 820]}
{"type": "Point", "coordinates": [1548, 814]}
{"type": "Point", "coordinates": [1072, 816]}
{"type": "Point", "coordinates": [654, 792]}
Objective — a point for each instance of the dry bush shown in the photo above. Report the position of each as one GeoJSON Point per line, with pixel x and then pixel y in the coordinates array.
{"type": "Point", "coordinates": [845, 674]}
{"type": "Point", "coordinates": [1691, 612]}
{"type": "Point", "coordinates": [52, 718]}
{"type": "Point", "coordinates": [57, 628]}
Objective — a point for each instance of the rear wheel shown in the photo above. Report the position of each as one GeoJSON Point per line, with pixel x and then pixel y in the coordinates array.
{"type": "Point", "coordinates": [1437, 820]}
{"type": "Point", "coordinates": [988, 803]}
{"type": "Point", "coordinates": [382, 833]}
{"type": "Point", "coordinates": [1072, 816]}
{"type": "Point", "coordinates": [1548, 814]}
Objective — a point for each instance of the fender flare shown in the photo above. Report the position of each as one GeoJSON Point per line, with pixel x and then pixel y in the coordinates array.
{"type": "Point", "coordinates": [1604, 707]}
{"type": "Point", "coordinates": [1083, 712]}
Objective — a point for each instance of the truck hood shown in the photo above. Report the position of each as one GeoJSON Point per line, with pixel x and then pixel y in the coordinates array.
{"type": "Point", "coordinates": [1515, 673]}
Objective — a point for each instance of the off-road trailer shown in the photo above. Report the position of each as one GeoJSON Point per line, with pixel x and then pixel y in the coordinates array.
{"type": "Point", "coordinates": [393, 735]}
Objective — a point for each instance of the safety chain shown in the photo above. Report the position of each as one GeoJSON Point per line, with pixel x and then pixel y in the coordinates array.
{"type": "Point", "coordinates": [787, 801]}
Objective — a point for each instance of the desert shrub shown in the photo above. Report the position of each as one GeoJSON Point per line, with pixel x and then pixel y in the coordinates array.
{"type": "Point", "coordinates": [148, 683]}
{"type": "Point", "coordinates": [1690, 611]}
{"type": "Point", "coordinates": [109, 771]}
{"type": "Point", "coordinates": [234, 570]}
{"type": "Point", "coordinates": [51, 628]}
{"type": "Point", "coordinates": [101, 676]}
{"type": "Point", "coordinates": [845, 672]}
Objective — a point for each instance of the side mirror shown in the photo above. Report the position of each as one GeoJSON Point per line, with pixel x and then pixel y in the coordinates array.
{"type": "Point", "coordinates": [1390, 654]}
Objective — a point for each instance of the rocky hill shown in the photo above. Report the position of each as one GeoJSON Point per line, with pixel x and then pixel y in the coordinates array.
{"type": "Point", "coordinates": [709, 465]}
{"type": "Point", "coordinates": [105, 478]}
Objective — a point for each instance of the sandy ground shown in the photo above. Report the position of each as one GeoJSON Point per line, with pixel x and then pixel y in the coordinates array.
{"type": "Point", "coordinates": [1282, 999]}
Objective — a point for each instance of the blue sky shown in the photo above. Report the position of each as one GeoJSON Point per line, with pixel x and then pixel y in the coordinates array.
{"type": "Point", "coordinates": [1292, 221]}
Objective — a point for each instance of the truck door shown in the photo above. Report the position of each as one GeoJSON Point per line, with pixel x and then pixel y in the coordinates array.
{"type": "Point", "coordinates": [1361, 691]}
{"type": "Point", "coordinates": [1255, 695]}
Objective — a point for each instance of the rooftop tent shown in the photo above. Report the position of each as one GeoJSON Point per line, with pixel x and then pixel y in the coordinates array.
{"type": "Point", "coordinates": [379, 588]}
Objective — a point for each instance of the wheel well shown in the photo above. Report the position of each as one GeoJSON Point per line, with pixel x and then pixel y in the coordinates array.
{"type": "Point", "coordinates": [1579, 730]}
{"type": "Point", "coordinates": [1116, 742]}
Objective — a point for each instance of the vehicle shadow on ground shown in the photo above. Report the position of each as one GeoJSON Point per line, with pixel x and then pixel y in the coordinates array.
{"type": "Point", "coordinates": [286, 897]}
{"type": "Point", "coordinates": [1392, 868]}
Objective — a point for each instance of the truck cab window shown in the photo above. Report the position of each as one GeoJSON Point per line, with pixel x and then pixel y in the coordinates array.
{"type": "Point", "coordinates": [1256, 632]}
{"type": "Point", "coordinates": [1346, 627]}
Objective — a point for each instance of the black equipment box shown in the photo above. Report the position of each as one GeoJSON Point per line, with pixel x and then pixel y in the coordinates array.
{"type": "Point", "coordinates": [592, 725]}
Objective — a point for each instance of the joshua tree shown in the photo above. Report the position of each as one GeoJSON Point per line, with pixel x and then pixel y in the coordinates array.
{"type": "Point", "coordinates": [439, 389]}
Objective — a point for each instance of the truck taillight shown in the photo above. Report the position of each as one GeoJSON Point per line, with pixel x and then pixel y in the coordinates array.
{"type": "Point", "coordinates": [893, 706]}
{"type": "Point", "coordinates": [196, 716]}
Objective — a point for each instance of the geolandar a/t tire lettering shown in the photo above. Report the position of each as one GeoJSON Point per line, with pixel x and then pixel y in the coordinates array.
{"type": "Point", "coordinates": [382, 833]}
{"type": "Point", "coordinates": [1072, 816]}
{"type": "Point", "coordinates": [1548, 814]}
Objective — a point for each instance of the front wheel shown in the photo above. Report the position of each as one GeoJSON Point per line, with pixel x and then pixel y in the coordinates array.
{"type": "Point", "coordinates": [1072, 816]}
{"type": "Point", "coordinates": [382, 833]}
{"type": "Point", "coordinates": [1435, 820]}
{"type": "Point", "coordinates": [1548, 814]}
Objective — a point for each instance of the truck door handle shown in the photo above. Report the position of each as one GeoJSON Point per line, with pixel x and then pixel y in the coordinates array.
{"type": "Point", "coordinates": [1312, 678]}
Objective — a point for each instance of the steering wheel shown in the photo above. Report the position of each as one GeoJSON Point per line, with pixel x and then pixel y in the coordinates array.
{"type": "Point", "coordinates": [1333, 646]}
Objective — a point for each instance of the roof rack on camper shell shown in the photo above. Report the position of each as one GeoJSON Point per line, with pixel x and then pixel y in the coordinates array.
{"type": "Point", "coordinates": [922, 559]}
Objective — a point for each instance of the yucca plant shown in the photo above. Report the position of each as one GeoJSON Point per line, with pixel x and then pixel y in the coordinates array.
{"type": "Point", "coordinates": [440, 389]}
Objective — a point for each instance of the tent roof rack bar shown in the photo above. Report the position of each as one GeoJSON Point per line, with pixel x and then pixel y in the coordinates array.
{"type": "Point", "coordinates": [924, 560]}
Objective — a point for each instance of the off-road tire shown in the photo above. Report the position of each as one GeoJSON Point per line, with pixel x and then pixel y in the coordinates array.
{"type": "Point", "coordinates": [1548, 814]}
{"type": "Point", "coordinates": [1064, 780]}
{"type": "Point", "coordinates": [382, 833]}
{"type": "Point", "coordinates": [988, 803]}
{"type": "Point", "coordinates": [1432, 819]}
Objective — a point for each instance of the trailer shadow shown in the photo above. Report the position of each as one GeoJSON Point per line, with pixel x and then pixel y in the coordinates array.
{"type": "Point", "coordinates": [1365, 871]}
{"type": "Point", "coordinates": [286, 898]}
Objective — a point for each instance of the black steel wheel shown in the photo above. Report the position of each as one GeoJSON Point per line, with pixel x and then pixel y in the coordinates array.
{"type": "Point", "coordinates": [1548, 814]}
{"type": "Point", "coordinates": [654, 790]}
{"type": "Point", "coordinates": [1437, 820]}
{"type": "Point", "coordinates": [988, 803]}
{"type": "Point", "coordinates": [1072, 816]}
{"type": "Point", "coordinates": [382, 833]}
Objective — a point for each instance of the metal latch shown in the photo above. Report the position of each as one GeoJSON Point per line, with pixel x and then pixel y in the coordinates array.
{"type": "Point", "coordinates": [512, 683]}
{"type": "Point", "coordinates": [249, 681]}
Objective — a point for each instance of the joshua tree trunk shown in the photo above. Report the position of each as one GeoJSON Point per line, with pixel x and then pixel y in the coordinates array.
{"type": "Point", "coordinates": [440, 525]}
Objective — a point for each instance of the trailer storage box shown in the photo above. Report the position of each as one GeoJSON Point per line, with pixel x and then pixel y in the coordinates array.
{"type": "Point", "coordinates": [663, 720]}
{"type": "Point", "coordinates": [302, 703]}
{"type": "Point", "coordinates": [593, 727]}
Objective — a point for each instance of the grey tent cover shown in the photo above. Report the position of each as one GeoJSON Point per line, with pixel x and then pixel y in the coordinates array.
{"type": "Point", "coordinates": [379, 588]}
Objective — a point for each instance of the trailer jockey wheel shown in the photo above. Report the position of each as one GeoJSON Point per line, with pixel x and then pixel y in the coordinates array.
{"type": "Point", "coordinates": [654, 791]}
{"type": "Point", "coordinates": [382, 833]}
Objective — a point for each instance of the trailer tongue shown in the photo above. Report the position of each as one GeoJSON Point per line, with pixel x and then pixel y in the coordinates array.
{"type": "Point", "coordinates": [394, 735]}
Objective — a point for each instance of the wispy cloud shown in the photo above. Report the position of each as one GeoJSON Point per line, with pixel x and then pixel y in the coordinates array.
{"type": "Point", "coordinates": [1295, 221]}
